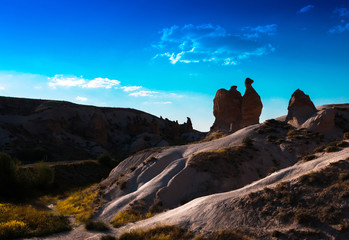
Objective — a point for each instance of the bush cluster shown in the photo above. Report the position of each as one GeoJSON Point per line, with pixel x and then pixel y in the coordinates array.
{"type": "Point", "coordinates": [25, 221]}
{"type": "Point", "coordinates": [82, 204]}
{"type": "Point", "coordinates": [18, 182]}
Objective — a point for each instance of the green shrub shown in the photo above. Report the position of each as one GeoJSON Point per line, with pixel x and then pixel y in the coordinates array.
{"type": "Point", "coordinates": [126, 217]}
{"type": "Point", "coordinates": [303, 217]}
{"type": "Point", "coordinates": [8, 173]}
{"type": "Point", "coordinates": [44, 175]}
{"type": "Point", "coordinates": [331, 149]}
{"type": "Point", "coordinates": [247, 141]}
{"type": "Point", "coordinates": [319, 149]}
{"type": "Point", "coordinates": [309, 157]}
{"type": "Point", "coordinates": [35, 154]}
{"type": "Point", "coordinates": [271, 138]}
{"type": "Point", "coordinates": [342, 144]}
{"type": "Point", "coordinates": [346, 135]}
{"type": "Point", "coordinates": [96, 226]}
{"type": "Point", "coordinates": [157, 233]}
{"type": "Point", "coordinates": [108, 237]}
{"type": "Point", "coordinates": [105, 159]}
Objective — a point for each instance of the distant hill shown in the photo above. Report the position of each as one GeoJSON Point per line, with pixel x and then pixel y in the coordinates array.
{"type": "Point", "coordinates": [35, 130]}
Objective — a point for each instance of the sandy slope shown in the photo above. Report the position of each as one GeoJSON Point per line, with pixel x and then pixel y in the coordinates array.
{"type": "Point", "coordinates": [172, 180]}
{"type": "Point", "coordinates": [214, 212]}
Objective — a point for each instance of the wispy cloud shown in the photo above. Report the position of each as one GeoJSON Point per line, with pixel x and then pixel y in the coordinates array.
{"type": "Point", "coordinates": [101, 83]}
{"type": "Point", "coordinates": [143, 93]}
{"type": "Point", "coordinates": [157, 103]}
{"type": "Point", "coordinates": [212, 44]}
{"type": "Point", "coordinates": [256, 32]}
{"type": "Point", "coordinates": [72, 81]}
{"type": "Point", "coordinates": [342, 12]}
{"type": "Point", "coordinates": [131, 88]}
{"type": "Point", "coordinates": [61, 81]}
{"type": "Point", "coordinates": [81, 99]}
{"type": "Point", "coordinates": [339, 28]}
{"type": "Point", "coordinates": [344, 24]}
{"type": "Point", "coordinates": [306, 8]}
{"type": "Point", "coordinates": [2, 88]}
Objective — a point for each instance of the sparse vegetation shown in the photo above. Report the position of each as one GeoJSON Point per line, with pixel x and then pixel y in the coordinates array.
{"type": "Point", "coordinates": [133, 168]}
{"type": "Point", "coordinates": [309, 157]}
{"type": "Point", "coordinates": [133, 214]}
{"type": "Point", "coordinates": [342, 144]}
{"type": "Point", "coordinates": [247, 141]}
{"type": "Point", "coordinates": [346, 135]}
{"type": "Point", "coordinates": [160, 232]}
{"type": "Point", "coordinates": [8, 173]}
{"type": "Point", "coordinates": [106, 160]}
{"type": "Point", "coordinates": [212, 136]}
{"type": "Point", "coordinates": [108, 237]}
{"type": "Point", "coordinates": [82, 204]}
{"type": "Point", "coordinates": [25, 221]}
{"type": "Point", "coordinates": [271, 138]}
{"type": "Point", "coordinates": [127, 216]}
{"type": "Point", "coordinates": [222, 162]}
{"type": "Point", "coordinates": [331, 149]}
{"type": "Point", "coordinates": [317, 200]}
{"type": "Point", "coordinates": [96, 226]}
{"type": "Point", "coordinates": [319, 149]}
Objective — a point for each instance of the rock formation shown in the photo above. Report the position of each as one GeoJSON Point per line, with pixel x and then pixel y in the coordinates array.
{"type": "Point", "coordinates": [233, 112]}
{"type": "Point", "coordinates": [252, 105]}
{"type": "Point", "coordinates": [227, 110]}
{"type": "Point", "coordinates": [300, 108]}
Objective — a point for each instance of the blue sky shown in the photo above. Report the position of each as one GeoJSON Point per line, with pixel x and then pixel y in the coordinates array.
{"type": "Point", "coordinates": [170, 57]}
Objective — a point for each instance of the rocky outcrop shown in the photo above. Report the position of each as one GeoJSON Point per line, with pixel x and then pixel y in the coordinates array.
{"type": "Point", "coordinates": [233, 112]}
{"type": "Point", "coordinates": [252, 105]}
{"type": "Point", "coordinates": [227, 110]}
{"type": "Point", "coordinates": [300, 108]}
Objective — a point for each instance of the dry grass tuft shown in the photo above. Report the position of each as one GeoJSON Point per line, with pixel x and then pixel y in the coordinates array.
{"type": "Point", "coordinates": [82, 204]}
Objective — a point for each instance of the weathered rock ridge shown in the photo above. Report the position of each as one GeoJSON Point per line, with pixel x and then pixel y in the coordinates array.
{"type": "Point", "coordinates": [56, 130]}
{"type": "Point", "coordinates": [233, 111]}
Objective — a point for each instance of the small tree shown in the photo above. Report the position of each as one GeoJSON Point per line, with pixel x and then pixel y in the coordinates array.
{"type": "Point", "coordinates": [8, 172]}
{"type": "Point", "coordinates": [44, 175]}
{"type": "Point", "coordinates": [105, 159]}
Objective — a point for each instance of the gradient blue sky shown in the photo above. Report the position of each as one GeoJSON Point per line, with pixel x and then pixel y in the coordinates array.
{"type": "Point", "coordinates": [170, 57]}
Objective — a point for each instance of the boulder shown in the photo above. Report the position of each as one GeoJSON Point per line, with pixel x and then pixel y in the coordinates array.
{"type": "Point", "coordinates": [251, 107]}
{"type": "Point", "coordinates": [300, 108]}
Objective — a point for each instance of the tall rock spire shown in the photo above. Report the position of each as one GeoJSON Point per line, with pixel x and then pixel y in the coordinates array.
{"type": "Point", "coordinates": [251, 107]}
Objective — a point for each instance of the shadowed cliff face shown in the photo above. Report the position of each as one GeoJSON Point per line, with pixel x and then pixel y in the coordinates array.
{"type": "Point", "coordinates": [66, 131]}
{"type": "Point", "coordinates": [233, 111]}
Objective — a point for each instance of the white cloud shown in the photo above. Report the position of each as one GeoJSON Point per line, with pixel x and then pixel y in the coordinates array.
{"type": "Point", "coordinates": [340, 28]}
{"type": "Point", "coordinates": [2, 88]}
{"type": "Point", "coordinates": [306, 8]}
{"type": "Point", "coordinates": [81, 99]}
{"type": "Point", "coordinates": [101, 83]}
{"type": "Point", "coordinates": [143, 94]}
{"type": "Point", "coordinates": [157, 103]}
{"type": "Point", "coordinates": [211, 44]}
{"type": "Point", "coordinates": [61, 81]}
{"type": "Point", "coordinates": [131, 88]}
